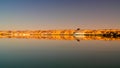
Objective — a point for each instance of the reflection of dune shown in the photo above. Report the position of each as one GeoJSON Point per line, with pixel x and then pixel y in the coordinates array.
{"type": "Point", "coordinates": [47, 37]}
{"type": "Point", "coordinates": [64, 34]}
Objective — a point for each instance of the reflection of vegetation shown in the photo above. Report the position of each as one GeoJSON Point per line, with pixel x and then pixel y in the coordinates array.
{"type": "Point", "coordinates": [111, 35]}
{"type": "Point", "coordinates": [104, 36]}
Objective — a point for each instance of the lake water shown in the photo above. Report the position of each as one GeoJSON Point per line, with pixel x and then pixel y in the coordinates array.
{"type": "Point", "coordinates": [34, 53]}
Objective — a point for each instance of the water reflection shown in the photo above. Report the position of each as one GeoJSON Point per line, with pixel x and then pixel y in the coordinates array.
{"type": "Point", "coordinates": [63, 37]}
{"type": "Point", "coordinates": [55, 52]}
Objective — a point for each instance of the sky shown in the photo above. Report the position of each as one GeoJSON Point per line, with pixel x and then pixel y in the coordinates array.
{"type": "Point", "coordinates": [59, 14]}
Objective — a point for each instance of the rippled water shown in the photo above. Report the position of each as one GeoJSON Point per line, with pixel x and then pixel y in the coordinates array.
{"type": "Point", "coordinates": [26, 53]}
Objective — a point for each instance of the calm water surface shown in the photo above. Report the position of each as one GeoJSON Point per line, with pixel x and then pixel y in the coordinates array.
{"type": "Point", "coordinates": [32, 53]}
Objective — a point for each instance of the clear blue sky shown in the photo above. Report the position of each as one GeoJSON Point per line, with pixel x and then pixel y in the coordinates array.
{"type": "Point", "coordinates": [59, 14]}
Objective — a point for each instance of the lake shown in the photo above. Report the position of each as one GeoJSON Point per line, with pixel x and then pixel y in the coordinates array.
{"type": "Point", "coordinates": [45, 53]}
